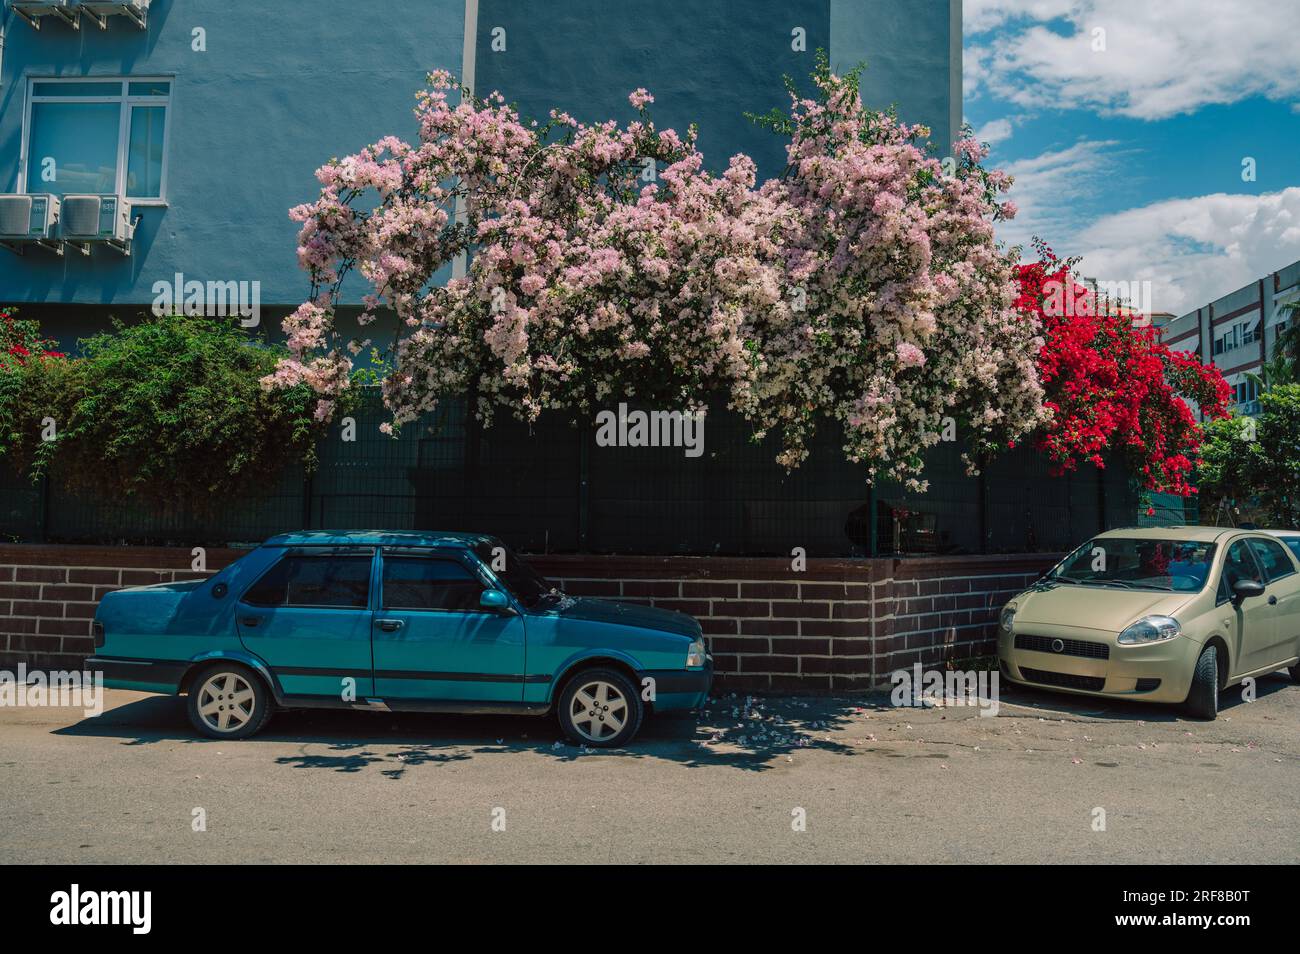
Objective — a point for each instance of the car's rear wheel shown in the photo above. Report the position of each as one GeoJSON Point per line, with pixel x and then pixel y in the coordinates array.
{"type": "Point", "coordinates": [1295, 673]}
{"type": "Point", "coordinates": [227, 701]}
{"type": "Point", "coordinates": [1203, 698]}
{"type": "Point", "coordinates": [600, 707]}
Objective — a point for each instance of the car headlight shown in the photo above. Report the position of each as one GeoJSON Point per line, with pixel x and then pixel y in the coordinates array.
{"type": "Point", "coordinates": [1150, 629]}
{"type": "Point", "coordinates": [696, 654]}
{"type": "Point", "coordinates": [1008, 615]}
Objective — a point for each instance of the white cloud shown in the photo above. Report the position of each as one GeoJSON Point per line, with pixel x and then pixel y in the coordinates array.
{"type": "Point", "coordinates": [1160, 59]}
{"type": "Point", "coordinates": [981, 15]}
{"type": "Point", "coordinates": [1195, 250]}
{"type": "Point", "coordinates": [994, 132]}
{"type": "Point", "coordinates": [1053, 189]}
{"type": "Point", "coordinates": [1192, 250]}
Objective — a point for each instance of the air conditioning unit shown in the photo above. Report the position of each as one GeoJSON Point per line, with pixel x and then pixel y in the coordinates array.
{"type": "Point", "coordinates": [33, 11]}
{"type": "Point", "coordinates": [104, 219]}
{"type": "Point", "coordinates": [29, 220]}
{"type": "Point", "coordinates": [137, 11]}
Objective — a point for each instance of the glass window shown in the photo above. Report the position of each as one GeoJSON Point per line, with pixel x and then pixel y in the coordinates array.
{"type": "Point", "coordinates": [315, 580]}
{"type": "Point", "coordinates": [528, 586]}
{"type": "Point", "coordinates": [145, 152]}
{"type": "Point", "coordinates": [1239, 565]}
{"type": "Point", "coordinates": [429, 583]}
{"type": "Point", "coordinates": [73, 147]}
{"type": "Point", "coordinates": [1293, 544]}
{"type": "Point", "coordinates": [1275, 561]}
{"type": "Point", "coordinates": [98, 136]}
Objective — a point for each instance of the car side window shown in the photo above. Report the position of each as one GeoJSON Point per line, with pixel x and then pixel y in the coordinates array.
{"type": "Point", "coordinates": [1272, 557]}
{"type": "Point", "coordinates": [430, 583]}
{"type": "Point", "coordinates": [1239, 565]}
{"type": "Point", "coordinates": [308, 580]}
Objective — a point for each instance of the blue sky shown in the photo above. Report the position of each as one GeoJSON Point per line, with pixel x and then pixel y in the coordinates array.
{"type": "Point", "coordinates": [1126, 124]}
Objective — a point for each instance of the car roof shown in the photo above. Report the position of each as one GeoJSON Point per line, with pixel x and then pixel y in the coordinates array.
{"type": "Point", "coordinates": [379, 538]}
{"type": "Point", "coordinates": [1282, 533]}
{"type": "Point", "coordinates": [1191, 534]}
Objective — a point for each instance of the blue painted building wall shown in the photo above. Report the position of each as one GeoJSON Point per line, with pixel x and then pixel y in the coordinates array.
{"type": "Point", "coordinates": [283, 86]}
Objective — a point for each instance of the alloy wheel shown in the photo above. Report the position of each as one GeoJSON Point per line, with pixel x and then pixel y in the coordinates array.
{"type": "Point", "coordinates": [598, 710]}
{"type": "Point", "coordinates": [226, 702]}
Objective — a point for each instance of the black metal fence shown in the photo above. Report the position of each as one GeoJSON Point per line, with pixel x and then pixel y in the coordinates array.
{"type": "Point", "coordinates": [553, 488]}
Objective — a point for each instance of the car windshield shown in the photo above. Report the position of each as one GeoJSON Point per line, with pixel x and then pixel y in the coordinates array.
{"type": "Point", "coordinates": [1141, 564]}
{"type": "Point", "coordinates": [526, 585]}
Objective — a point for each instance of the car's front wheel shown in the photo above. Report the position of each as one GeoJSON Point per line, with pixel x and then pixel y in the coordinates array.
{"type": "Point", "coordinates": [228, 702]}
{"type": "Point", "coordinates": [1203, 698]}
{"type": "Point", "coordinates": [600, 707]}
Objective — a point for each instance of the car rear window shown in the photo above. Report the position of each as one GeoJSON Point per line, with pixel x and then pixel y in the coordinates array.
{"type": "Point", "coordinates": [315, 580]}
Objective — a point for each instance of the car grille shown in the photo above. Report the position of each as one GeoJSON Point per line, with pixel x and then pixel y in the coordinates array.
{"type": "Point", "coordinates": [1073, 647]}
{"type": "Point", "coordinates": [1064, 679]}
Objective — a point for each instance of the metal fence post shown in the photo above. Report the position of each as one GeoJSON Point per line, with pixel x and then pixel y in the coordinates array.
{"type": "Point", "coordinates": [873, 520]}
{"type": "Point", "coordinates": [1101, 500]}
{"type": "Point", "coordinates": [43, 533]}
{"type": "Point", "coordinates": [307, 490]}
{"type": "Point", "coordinates": [983, 491]}
{"type": "Point", "coordinates": [584, 485]}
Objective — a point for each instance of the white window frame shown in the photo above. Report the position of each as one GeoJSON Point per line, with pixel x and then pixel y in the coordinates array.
{"type": "Point", "coordinates": [125, 101]}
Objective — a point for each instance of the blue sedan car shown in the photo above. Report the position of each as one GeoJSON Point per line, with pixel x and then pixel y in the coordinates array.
{"type": "Point", "coordinates": [421, 622]}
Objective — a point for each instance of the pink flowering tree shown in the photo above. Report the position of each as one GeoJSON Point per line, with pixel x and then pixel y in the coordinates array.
{"type": "Point", "coordinates": [606, 263]}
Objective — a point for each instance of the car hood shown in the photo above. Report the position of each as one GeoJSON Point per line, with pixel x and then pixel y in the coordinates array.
{"type": "Point", "coordinates": [1108, 608]}
{"type": "Point", "coordinates": [629, 614]}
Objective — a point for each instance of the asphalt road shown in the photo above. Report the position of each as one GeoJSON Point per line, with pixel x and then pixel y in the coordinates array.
{"type": "Point", "coordinates": [875, 784]}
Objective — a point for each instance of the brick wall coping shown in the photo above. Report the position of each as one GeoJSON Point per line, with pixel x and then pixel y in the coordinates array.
{"type": "Point", "coordinates": [582, 565]}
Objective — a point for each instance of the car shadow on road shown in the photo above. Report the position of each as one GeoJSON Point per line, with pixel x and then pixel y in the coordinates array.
{"type": "Point", "coordinates": [752, 733]}
{"type": "Point", "coordinates": [1046, 702]}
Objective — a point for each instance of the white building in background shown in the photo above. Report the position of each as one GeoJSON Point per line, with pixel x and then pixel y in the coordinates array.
{"type": "Point", "coordinates": [1238, 332]}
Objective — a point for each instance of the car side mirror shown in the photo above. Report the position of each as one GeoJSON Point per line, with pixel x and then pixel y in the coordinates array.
{"type": "Point", "coordinates": [494, 600]}
{"type": "Point", "coordinates": [1245, 589]}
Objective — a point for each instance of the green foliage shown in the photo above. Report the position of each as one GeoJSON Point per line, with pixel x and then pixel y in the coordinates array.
{"type": "Point", "coordinates": [170, 409]}
{"type": "Point", "coordinates": [1258, 458]}
{"type": "Point", "coordinates": [1284, 366]}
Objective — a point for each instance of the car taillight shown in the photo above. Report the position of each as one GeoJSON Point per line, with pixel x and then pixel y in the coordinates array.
{"type": "Point", "coordinates": [97, 629]}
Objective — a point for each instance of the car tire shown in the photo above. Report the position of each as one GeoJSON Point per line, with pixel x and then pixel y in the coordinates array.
{"type": "Point", "coordinates": [228, 701]}
{"type": "Point", "coordinates": [1295, 673]}
{"type": "Point", "coordinates": [601, 708]}
{"type": "Point", "coordinates": [1203, 698]}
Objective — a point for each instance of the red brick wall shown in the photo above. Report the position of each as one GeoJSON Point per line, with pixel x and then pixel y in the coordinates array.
{"type": "Point", "coordinates": [838, 625]}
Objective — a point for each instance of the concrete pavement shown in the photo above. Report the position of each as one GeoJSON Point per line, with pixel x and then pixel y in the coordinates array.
{"type": "Point", "coordinates": [875, 784]}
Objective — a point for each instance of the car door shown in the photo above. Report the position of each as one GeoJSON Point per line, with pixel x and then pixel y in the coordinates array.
{"type": "Point", "coordinates": [308, 617]}
{"type": "Point", "coordinates": [1284, 595]}
{"type": "Point", "coordinates": [1256, 617]}
{"type": "Point", "coordinates": [432, 639]}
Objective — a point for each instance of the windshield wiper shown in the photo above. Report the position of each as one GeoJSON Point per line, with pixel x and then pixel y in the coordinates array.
{"type": "Point", "coordinates": [1123, 583]}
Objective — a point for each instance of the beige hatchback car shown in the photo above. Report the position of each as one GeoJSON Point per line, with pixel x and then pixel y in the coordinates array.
{"type": "Point", "coordinates": [1164, 614]}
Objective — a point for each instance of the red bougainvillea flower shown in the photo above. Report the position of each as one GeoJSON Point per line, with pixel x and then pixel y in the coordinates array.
{"type": "Point", "coordinates": [1112, 384]}
{"type": "Point", "coordinates": [20, 341]}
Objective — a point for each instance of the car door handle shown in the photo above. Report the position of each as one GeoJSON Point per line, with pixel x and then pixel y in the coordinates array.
{"type": "Point", "coordinates": [249, 621]}
{"type": "Point", "coordinates": [389, 625]}
{"type": "Point", "coordinates": [1272, 601]}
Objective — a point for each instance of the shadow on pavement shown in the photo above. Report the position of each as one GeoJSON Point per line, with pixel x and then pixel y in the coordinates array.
{"type": "Point", "coordinates": [753, 733]}
{"type": "Point", "coordinates": [1089, 707]}
{"type": "Point", "coordinates": [746, 732]}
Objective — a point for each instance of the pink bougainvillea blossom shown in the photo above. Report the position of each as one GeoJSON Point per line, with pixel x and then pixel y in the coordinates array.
{"type": "Point", "coordinates": [606, 261]}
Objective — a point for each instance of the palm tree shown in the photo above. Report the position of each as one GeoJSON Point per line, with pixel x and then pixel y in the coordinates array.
{"type": "Point", "coordinates": [1284, 366]}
